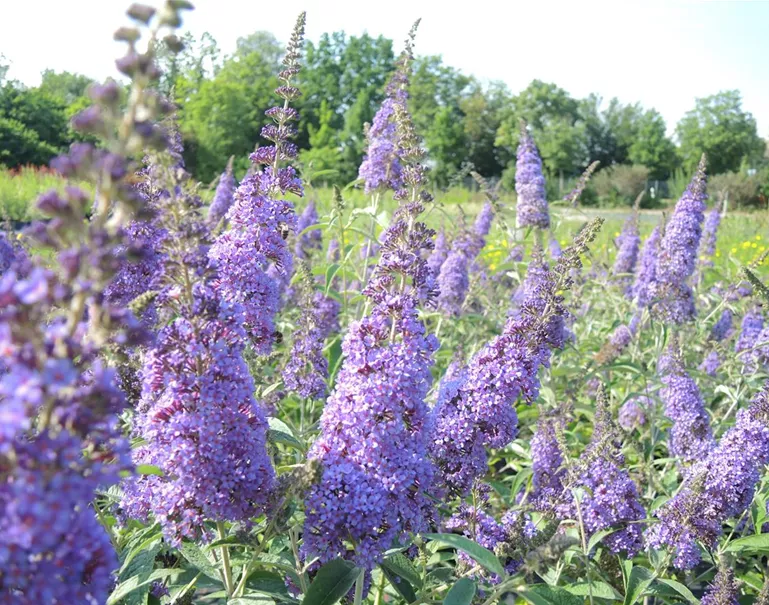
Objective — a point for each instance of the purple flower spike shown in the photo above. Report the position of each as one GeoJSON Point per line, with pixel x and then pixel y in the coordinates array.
{"type": "Point", "coordinates": [224, 196]}
{"type": "Point", "coordinates": [677, 256]}
{"type": "Point", "coordinates": [532, 209]}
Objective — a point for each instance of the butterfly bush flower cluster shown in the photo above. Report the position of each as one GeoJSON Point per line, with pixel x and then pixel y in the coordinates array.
{"type": "Point", "coordinates": [691, 437]}
{"type": "Point", "coordinates": [197, 418]}
{"type": "Point", "coordinates": [372, 445]}
{"type": "Point", "coordinates": [454, 273]}
{"type": "Point", "coordinates": [310, 241]}
{"type": "Point", "coordinates": [253, 259]}
{"type": "Point", "coordinates": [478, 410]}
{"type": "Point", "coordinates": [382, 166]}
{"type": "Point", "coordinates": [725, 589]}
{"type": "Point", "coordinates": [646, 271]}
{"type": "Point", "coordinates": [632, 414]}
{"type": "Point", "coordinates": [547, 462]}
{"type": "Point", "coordinates": [719, 487]}
{"type": "Point", "coordinates": [677, 256]}
{"type": "Point", "coordinates": [710, 232]}
{"type": "Point", "coordinates": [532, 209]}
{"type": "Point", "coordinates": [628, 244]}
{"type": "Point", "coordinates": [750, 329]}
{"type": "Point", "coordinates": [504, 537]}
{"type": "Point", "coordinates": [606, 496]}
{"type": "Point", "coordinates": [223, 196]}
{"type": "Point", "coordinates": [60, 440]}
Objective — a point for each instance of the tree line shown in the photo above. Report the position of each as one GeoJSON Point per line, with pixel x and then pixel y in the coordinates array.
{"type": "Point", "coordinates": [464, 122]}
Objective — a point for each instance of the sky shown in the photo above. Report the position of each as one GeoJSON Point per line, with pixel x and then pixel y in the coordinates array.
{"type": "Point", "coordinates": [662, 53]}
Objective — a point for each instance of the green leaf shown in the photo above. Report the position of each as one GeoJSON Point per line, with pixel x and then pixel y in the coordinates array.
{"type": "Point", "coordinates": [331, 272]}
{"type": "Point", "coordinates": [254, 599]}
{"type": "Point", "coordinates": [401, 566]}
{"type": "Point", "coordinates": [543, 594]}
{"type": "Point", "coordinates": [680, 589]}
{"type": "Point", "coordinates": [402, 586]}
{"type": "Point", "coordinates": [597, 537]}
{"type": "Point", "coordinates": [638, 582]}
{"type": "Point", "coordinates": [478, 553]}
{"type": "Point", "coordinates": [600, 590]}
{"type": "Point", "coordinates": [755, 543]}
{"type": "Point", "coordinates": [280, 433]}
{"type": "Point", "coordinates": [333, 581]}
{"type": "Point", "coordinates": [461, 593]}
{"type": "Point", "coordinates": [140, 581]}
{"type": "Point", "coordinates": [199, 560]}
{"type": "Point", "coordinates": [149, 469]}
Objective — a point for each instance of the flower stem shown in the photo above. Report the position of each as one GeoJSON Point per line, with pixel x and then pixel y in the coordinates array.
{"type": "Point", "coordinates": [359, 588]}
{"type": "Point", "coordinates": [225, 559]}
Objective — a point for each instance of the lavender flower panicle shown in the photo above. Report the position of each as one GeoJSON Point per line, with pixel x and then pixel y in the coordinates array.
{"type": "Point", "coordinates": [61, 439]}
{"type": "Point", "coordinates": [253, 259]}
{"type": "Point", "coordinates": [477, 410]}
{"type": "Point", "coordinates": [549, 471]}
{"type": "Point", "coordinates": [751, 327]}
{"type": "Point", "coordinates": [197, 418]}
{"type": "Point", "coordinates": [628, 244]}
{"type": "Point", "coordinates": [382, 166]}
{"type": "Point", "coordinates": [609, 497]}
{"type": "Point", "coordinates": [373, 445]}
{"type": "Point", "coordinates": [711, 363]}
{"type": "Point", "coordinates": [716, 489]}
{"type": "Point", "coordinates": [646, 272]}
{"type": "Point", "coordinates": [439, 254]}
{"type": "Point", "coordinates": [310, 241]}
{"type": "Point", "coordinates": [677, 255]}
{"type": "Point", "coordinates": [725, 589]}
{"type": "Point", "coordinates": [532, 209]}
{"type": "Point", "coordinates": [722, 329]}
{"type": "Point", "coordinates": [224, 195]}
{"type": "Point", "coordinates": [710, 232]}
{"type": "Point", "coordinates": [632, 414]}
{"type": "Point", "coordinates": [691, 437]}
{"type": "Point", "coordinates": [453, 283]}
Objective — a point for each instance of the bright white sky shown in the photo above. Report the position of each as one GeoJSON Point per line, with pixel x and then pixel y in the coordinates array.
{"type": "Point", "coordinates": [661, 53]}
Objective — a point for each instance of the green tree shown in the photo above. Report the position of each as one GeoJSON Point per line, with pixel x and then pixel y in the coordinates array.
{"type": "Point", "coordinates": [719, 127]}
{"type": "Point", "coordinates": [321, 160]}
{"type": "Point", "coordinates": [552, 114]}
{"type": "Point", "coordinates": [183, 73]}
{"type": "Point", "coordinates": [64, 85]}
{"type": "Point", "coordinates": [225, 116]}
{"type": "Point", "coordinates": [483, 110]}
{"type": "Point", "coordinates": [35, 125]}
{"type": "Point", "coordinates": [651, 146]}
{"type": "Point", "coordinates": [600, 143]}
{"type": "Point", "coordinates": [349, 75]}
{"type": "Point", "coordinates": [622, 122]}
{"type": "Point", "coordinates": [436, 95]}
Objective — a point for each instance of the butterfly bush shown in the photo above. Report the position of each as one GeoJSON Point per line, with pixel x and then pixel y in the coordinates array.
{"type": "Point", "coordinates": [382, 166]}
{"type": "Point", "coordinates": [532, 209]}
{"type": "Point", "coordinates": [750, 329]}
{"type": "Point", "coordinates": [632, 414]}
{"type": "Point", "coordinates": [547, 463]}
{"type": "Point", "coordinates": [691, 437]}
{"type": "Point", "coordinates": [725, 590]}
{"type": "Point", "coordinates": [478, 411]}
{"type": "Point", "coordinates": [710, 232]}
{"type": "Point", "coordinates": [677, 256]}
{"type": "Point", "coordinates": [223, 196]}
{"type": "Point", "coordinates": [307, 242]}
{"type": "Point", "coordinates": [372, 445]}
{"type": "Point", "coordinates": [60, 440]}
{"type": "Point", "coordinates": [628, 244]}
{"type": "Point", "coordinates": [440, 253]}
{"type": "Point", "coordinates": [717, 488]}
{"type": "Point", "coordinates": [600, 493]}
{"type": "Point", "coordinates": [454, 273]}
{"type": "Point", "coordinates": [253, 260]}
{"type": "Point", "coordinates": [646, 271]}
{"type": "Point", "coordinates": [722, 329]}
{"type": "Point", "coordinates": [197, 418]}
